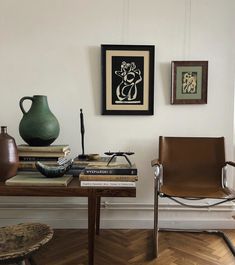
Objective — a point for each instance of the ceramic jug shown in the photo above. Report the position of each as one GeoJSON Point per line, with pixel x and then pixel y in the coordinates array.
{"type": "Point", "coordinates": [39, 126]}
{"type": "Point", "coordinates": [8, 155]}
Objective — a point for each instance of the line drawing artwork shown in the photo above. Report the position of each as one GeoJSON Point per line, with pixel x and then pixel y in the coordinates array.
{"type": "Point", "coordinates": [189, 84]}
{"type": "Point", "coordinates": [127, 89]}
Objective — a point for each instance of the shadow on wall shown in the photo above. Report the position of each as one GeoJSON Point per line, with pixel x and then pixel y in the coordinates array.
{"type": "Point", "coordinates": [95, 74]}
{"type": "Point", "coordinates": [165, 73]}
{"type": "Point", "coordinates": [145, 151]}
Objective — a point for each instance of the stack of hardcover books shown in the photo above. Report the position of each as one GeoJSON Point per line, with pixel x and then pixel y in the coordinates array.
{"type": "Point", "coordinates": [112, 175]}
{"type": "Point", "coordinates": [49, 155]}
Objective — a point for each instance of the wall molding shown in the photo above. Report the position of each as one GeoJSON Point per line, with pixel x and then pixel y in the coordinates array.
{"type": "Point", "coordinates": [118, 215]}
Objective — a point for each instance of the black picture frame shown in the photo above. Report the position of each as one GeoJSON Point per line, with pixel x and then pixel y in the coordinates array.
{"type": "Point", "coordinates": [127, 79]}
{"type": "Point", "coordinates": [189, 82]}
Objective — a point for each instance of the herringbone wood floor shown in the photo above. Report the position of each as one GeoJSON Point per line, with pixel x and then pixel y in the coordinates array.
{"type": "Point", "coordinates": [123, 247]}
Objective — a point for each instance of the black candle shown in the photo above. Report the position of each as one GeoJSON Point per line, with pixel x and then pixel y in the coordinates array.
{"type": "Point", "coordinates": [82, 130]}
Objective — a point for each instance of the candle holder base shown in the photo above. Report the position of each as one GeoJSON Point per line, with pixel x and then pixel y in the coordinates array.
{"type": "Point", "coordinates": [83, 157]}
{"type": "Point", "coordinates": [89, 157]}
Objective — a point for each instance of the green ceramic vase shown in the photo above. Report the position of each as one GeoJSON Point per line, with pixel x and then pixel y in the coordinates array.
{"type": "Point", "coordinates": [39, 126]}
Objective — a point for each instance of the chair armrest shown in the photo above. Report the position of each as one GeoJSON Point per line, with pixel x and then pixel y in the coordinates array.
{"type": "Point", "coordinates": [158, 170]}
{"type": "Point", "coordinates": [231, 163]}
{"type": "Point", "coordinates": [155, 163]}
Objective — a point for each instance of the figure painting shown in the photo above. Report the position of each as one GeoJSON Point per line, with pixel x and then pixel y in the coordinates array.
{"type": "Point", "coordinates": [189, 82]}
{"type": "Point", "coordinates": [128, 76]}
{"type": "Point", "coordinates": [128, 86]}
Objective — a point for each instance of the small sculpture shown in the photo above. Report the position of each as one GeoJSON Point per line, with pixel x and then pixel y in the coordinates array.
{"type": "Point", "coordinates": [82, 156]}
{"type": "Point", "coordinates": [54, 171]}
{"type": "Point", "coordinates": [115, 154]}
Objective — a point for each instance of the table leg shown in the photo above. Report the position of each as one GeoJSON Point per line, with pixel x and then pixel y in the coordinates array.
{"type": "Point", "coordinates": [98, 215]}
{"type": "Point", "coordinates": [91, 225]}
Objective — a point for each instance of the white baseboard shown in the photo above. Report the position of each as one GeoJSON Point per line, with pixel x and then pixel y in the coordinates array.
{"type": "Point", "coordinates": [118, 215]}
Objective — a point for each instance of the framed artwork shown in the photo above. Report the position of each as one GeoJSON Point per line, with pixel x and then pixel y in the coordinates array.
{"type": "Point", "coordinates": [189, 82]}
{"type": "Point", "coordinates": [127, 79]}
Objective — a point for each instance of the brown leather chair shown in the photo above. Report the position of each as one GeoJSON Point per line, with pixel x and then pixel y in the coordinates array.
{"type": "Point", "coordinates": [191, 168]}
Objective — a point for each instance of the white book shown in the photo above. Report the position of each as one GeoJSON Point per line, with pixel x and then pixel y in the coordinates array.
{"type": "Point", "coordinates": [87, 183]}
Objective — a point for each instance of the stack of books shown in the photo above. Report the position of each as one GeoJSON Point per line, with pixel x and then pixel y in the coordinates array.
{"type": "Point", "coordinates": [42, 153]}
{"type": "Point", "coordinates": [49, 155]}
{"type": "Point", "coordinates": [28, 175]}
{"type": "Point", "coordinates": [113, 175]}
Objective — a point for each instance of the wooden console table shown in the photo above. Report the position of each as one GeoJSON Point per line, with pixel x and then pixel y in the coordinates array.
{"type": "Point", "coordinates": [74, 190]}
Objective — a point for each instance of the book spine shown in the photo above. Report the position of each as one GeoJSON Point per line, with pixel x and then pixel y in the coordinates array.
{"type": "Point", "coordinates": [52, 148]}
{"type": "Point", "coordinates": [30, 165]}
{"type": "Point", "coordinates": [33, 158]}
{"type": "Point", "coordinates": [44, 154]}
{"type": "Point", "coordinates": [109, 177]}
{"type": "Point", "coordinates": [44, 151]}
{"type": "Point", "coordinates": [74, 172]}
{"type": "Point", "coordinates": [26, 170]}
{"type": "Point", "coordinates": [111, 171]}
{"type": "Point", "coordinates": [107, 184]}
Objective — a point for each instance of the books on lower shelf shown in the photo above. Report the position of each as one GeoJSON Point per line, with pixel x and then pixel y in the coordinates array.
{"type": "Point", "coordinates": [36, 179]}
{"type": "Point", "coordinates": [96, 183]}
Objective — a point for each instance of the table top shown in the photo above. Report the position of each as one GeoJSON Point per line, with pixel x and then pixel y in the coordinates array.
{"type": "Point", "coordinates": [72, 190]}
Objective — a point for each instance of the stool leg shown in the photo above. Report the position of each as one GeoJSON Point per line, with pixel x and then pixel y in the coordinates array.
{"type": "Point", "coordinates": [29, 261]}
{"type": "Point", "coordinates": [21, 263]}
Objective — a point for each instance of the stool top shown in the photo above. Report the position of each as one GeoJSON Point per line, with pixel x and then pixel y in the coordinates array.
{"type": "Point", "coordinates": [17, 241]}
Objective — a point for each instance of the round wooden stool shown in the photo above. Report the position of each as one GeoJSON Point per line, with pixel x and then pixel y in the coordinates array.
{"type": "Point", "coordinates": [18, 242]}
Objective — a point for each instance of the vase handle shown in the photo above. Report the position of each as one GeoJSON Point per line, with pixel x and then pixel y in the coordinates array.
{"type": "Point", "coordinates": [21, 103]}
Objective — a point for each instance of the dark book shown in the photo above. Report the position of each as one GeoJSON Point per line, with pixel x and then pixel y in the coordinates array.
{"type": "Point", "coordinates": [33, 158]}
{"type": "Point", "coordinates": [111, 169]}
{"type": "Point", "coordinates": [30, 165]}
{"type": "Point", "coordinates": [75, 172]}
{"type": "Point", "coordinates": [101, 160]}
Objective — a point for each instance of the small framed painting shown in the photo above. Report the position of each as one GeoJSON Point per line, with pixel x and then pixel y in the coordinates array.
{"type": "Point", "coordinates": [189, 82]}
{"type": "Point", "coordinates": [127, 79]}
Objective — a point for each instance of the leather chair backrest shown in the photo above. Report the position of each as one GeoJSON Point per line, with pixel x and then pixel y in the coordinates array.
{"type": "Point", "coordinates": [192, 161]}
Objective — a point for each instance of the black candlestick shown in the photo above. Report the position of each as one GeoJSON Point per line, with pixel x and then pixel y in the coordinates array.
{"type": "Point", "coordinates": [82, 156]}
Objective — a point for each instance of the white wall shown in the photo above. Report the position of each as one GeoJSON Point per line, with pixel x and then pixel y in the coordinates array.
{"type": "Point", "coordinates": [52, 47]}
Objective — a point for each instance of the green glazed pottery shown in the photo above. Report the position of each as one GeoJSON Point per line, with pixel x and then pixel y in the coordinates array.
{"type": "Point", "coordinates": [39, 126]}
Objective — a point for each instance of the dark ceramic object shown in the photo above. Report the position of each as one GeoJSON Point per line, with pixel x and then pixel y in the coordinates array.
{"type": "Point", "coordinates": [39, 126]}
{"type": "Point", "coordinates": [8, 155]}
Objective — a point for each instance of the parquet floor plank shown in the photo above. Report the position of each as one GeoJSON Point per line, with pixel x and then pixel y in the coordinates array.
{"type": "Point", "coordinates": [134, 247]}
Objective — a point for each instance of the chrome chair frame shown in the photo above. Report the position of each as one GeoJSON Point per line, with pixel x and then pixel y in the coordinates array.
{"type": "Point", "coordinates": [158, 181]}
